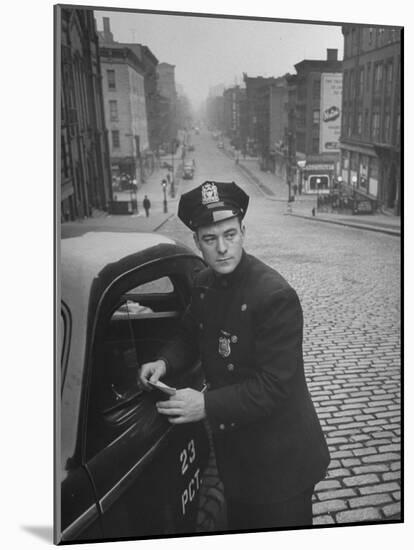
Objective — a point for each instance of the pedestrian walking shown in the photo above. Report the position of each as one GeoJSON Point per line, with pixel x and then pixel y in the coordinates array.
{"type": "Point", "coordinates": [146, 203]}
{"type": "Point", "coordinates": [245, 322]}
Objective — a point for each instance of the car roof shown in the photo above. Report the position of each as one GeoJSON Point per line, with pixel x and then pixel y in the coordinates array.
{"type": "Point", "coordinates": [84, 260]}
{"type": "Point", "coordinates": [92, 251]}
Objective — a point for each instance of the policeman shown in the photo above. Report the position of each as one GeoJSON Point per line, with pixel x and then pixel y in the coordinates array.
{"type": "Point", "coordinates": [245, 321]}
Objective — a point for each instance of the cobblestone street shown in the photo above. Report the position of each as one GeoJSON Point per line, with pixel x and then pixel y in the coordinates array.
{"type": "Point", "coordinates": [348, 281]}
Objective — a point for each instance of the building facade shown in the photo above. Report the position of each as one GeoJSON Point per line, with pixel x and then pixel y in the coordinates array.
{"type": "Point", "coordinates": [234, 115]}
{"type": "Point", "coordinates": [168, 104]}
{"type": "Point", "coordinates": [371, 122]}
{"type": "Point", "coordinates": [83, 152]}
{"type": "Point", "coordinates": [258, 117]}
{"type": "Point", "coordinates": [125, 110]}
{"type": "Point", "coordinates": [312, 137]}
{"type": "Point", "coordinates": [215, 113]}
{"type": "Point", "coordinates": [278, 125]}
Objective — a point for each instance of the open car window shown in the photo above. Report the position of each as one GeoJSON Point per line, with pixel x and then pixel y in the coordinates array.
{"type": "Point", "coordinates": [139, 316]}
{"type": "Point", "coordinates": [136, 303]}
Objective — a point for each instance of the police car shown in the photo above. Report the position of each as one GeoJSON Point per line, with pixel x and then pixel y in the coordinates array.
{"type": "Point", "coordinates": [122, 471]}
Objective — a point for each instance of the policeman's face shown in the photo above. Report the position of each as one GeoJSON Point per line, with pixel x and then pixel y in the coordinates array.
{"type": "Point", "coordinates": [221, 244]}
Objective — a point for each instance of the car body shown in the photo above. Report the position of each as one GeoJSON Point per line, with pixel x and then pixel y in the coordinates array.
{"type": "Point", "coordinates": [188, 169]}
{"type": "Point", "coordinates": [122, 471]}
{"type": "Point", "coordinates": [220, 145]}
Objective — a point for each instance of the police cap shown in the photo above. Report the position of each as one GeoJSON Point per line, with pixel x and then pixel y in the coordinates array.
{"type": "Point", "coordinates": [211, 202]}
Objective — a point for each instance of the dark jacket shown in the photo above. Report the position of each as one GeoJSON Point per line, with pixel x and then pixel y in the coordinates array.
{"type": "Point", "coordinates": [248, 328]}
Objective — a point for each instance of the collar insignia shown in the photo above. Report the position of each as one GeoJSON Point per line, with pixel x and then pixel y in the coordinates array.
{"type": "Point", "coordinates": [209, 193]}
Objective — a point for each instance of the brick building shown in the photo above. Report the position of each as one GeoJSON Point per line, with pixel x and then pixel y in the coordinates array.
{"type": "Point", "coordinates": [125, 106]}
{"type": "Point", "coordinates": [215, 109]}
{"type": "Point", "coordinates": [258, 116]}
{"type": "Point", "coordinates": [168, 102]}
{"type": "Point", "coordinates": [278, 124]}
{"type": "Point", "coordinates": [82, 151]}
{"type": "Point", "coordinates": [235, 115]}
{"type": "Point", "coordinates": [312, 137]}
{"type": "Point", "coordinates": [371, 122]}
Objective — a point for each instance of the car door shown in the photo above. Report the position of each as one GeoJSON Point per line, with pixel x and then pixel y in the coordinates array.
{"type": "Point", "coordinates": [77, 515]}
{"type": "Point", "coordinates": [146, 473]}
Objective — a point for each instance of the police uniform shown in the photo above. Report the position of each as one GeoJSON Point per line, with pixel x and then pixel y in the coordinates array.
{"type": "Point", "coordinates": [247, 327]}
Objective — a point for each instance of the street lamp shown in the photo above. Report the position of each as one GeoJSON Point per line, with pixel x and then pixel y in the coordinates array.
{"type": "Point", "coordinates": [172, 163]}
{"type": "Point", "coordinates": [164, 188]}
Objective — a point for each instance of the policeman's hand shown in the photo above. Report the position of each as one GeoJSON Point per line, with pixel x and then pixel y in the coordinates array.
{"type": "Point", "coordinates": [151, 371]}
{"type": "Point", "coordinates": [186, 405]}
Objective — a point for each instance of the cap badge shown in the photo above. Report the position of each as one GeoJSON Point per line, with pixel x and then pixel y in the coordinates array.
{"type": "Point", "coordinates": [209, 193]}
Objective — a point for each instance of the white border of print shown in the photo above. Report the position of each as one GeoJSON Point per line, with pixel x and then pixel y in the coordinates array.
{"type": "Point", "coordinates": [27, 275]}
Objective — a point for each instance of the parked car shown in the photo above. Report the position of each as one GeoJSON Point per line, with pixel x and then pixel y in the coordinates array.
{"type": "Point", "coordinates": [188, 169]}
{"type": "Point", "coordinates": [122, 470]}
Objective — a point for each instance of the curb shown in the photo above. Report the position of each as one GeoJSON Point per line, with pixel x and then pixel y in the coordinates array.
{"type": "Point", "coordinates": [163, 222]}
{"type": "Point", "coordinates": [266, 193]}
{"type": "Point", "coordinates": [394, 233]}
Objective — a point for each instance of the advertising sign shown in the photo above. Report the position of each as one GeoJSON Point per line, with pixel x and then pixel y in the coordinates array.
{"type": "Point", "coordinates": [331, 103]}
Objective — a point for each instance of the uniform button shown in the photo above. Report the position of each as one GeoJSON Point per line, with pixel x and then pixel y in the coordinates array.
{"type": "Point", "coordinates": [201, 326]}
{"type": "Point", "coordinates": [222, 427]}
{"type": "Point", "coordinates": [232, 424]}
{"type": "Point", "coordinates": [202, 295]}
{"type": "Point", "coordinates": [224, 283]}
{"type": "Point", "coordinates": [230, 367]}
{"type": "Point", "coordinates": [234, 339]}
{"type": "Point", "coordinates": [244, 307]}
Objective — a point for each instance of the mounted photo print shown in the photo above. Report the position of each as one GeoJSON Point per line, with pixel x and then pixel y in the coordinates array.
{"type": "Point", "coordinates": [228, 259]}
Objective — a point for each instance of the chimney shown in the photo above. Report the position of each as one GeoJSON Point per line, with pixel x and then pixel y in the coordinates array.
{"type": "Point", "coordinates": [332, 54]}
{"type": "Point", "coordinates": [108, 36]}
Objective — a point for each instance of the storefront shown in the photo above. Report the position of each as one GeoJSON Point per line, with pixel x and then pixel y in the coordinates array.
{"type": "Point", "coordinates": [315, 179]}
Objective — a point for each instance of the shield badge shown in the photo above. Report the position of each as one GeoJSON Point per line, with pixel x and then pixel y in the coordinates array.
{"type": "Point", "coordinates": [224, 348]}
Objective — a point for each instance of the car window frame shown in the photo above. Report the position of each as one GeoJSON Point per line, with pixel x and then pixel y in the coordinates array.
{"type": "Point", "coordinates": [103, 315]}
{"type": "Point", "coordinates": [65, 341]}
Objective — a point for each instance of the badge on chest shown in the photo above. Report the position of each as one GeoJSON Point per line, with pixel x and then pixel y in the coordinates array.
{"type": "Point", "coordinates": [224, 343]}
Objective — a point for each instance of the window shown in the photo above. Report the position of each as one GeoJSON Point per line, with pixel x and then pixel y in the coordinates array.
{"type": "Point", "coordinates": [373, 168]}
{"type": "Point", "coordinates": [388, 78]}
{"type": "Point", "coordinates": [351, 84]}
{"type": "Point", "coordinates": [316, 116]}
{"type": "Point", "coordinates": [316, 89]}
{"type": "Point", "coordinates": [111, 79]}
{"type": "Point", "coordinates": [113, 110]}
{"type": "Point", "coordinates": [370, 36]}
{"type": "Point", "coordinates": [359, 123]}
{"type": "Point", "coordinates": [377, 78]}
{"type": "Point", "coordinates": [345, 160]}
{"type": "Point", "coordinates": [375, 126]}
{"type": "Point", "coordinates": [366, 123]}
{"type": "Point", "coordinates": [368, 79]}
{"type": "Point", "coordinates": [387, 126]}
{"type": "Point", "coordinates": [354, 161]}
{"type": "Point", "coordinates": [115, 139]}
{"type": "Point", "coordinates": [315, 145]}
{"type": "Point", "coordinates": [361, 83]}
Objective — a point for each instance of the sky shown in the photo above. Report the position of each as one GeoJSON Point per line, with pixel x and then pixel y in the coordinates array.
{"type": "Point", "coordinates": [208, 51]}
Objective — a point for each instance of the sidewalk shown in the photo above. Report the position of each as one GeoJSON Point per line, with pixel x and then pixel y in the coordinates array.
{"type": "Point", "coordinates": [276, 189]}
{"type": "Point", "coordinates": [102, 221]}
